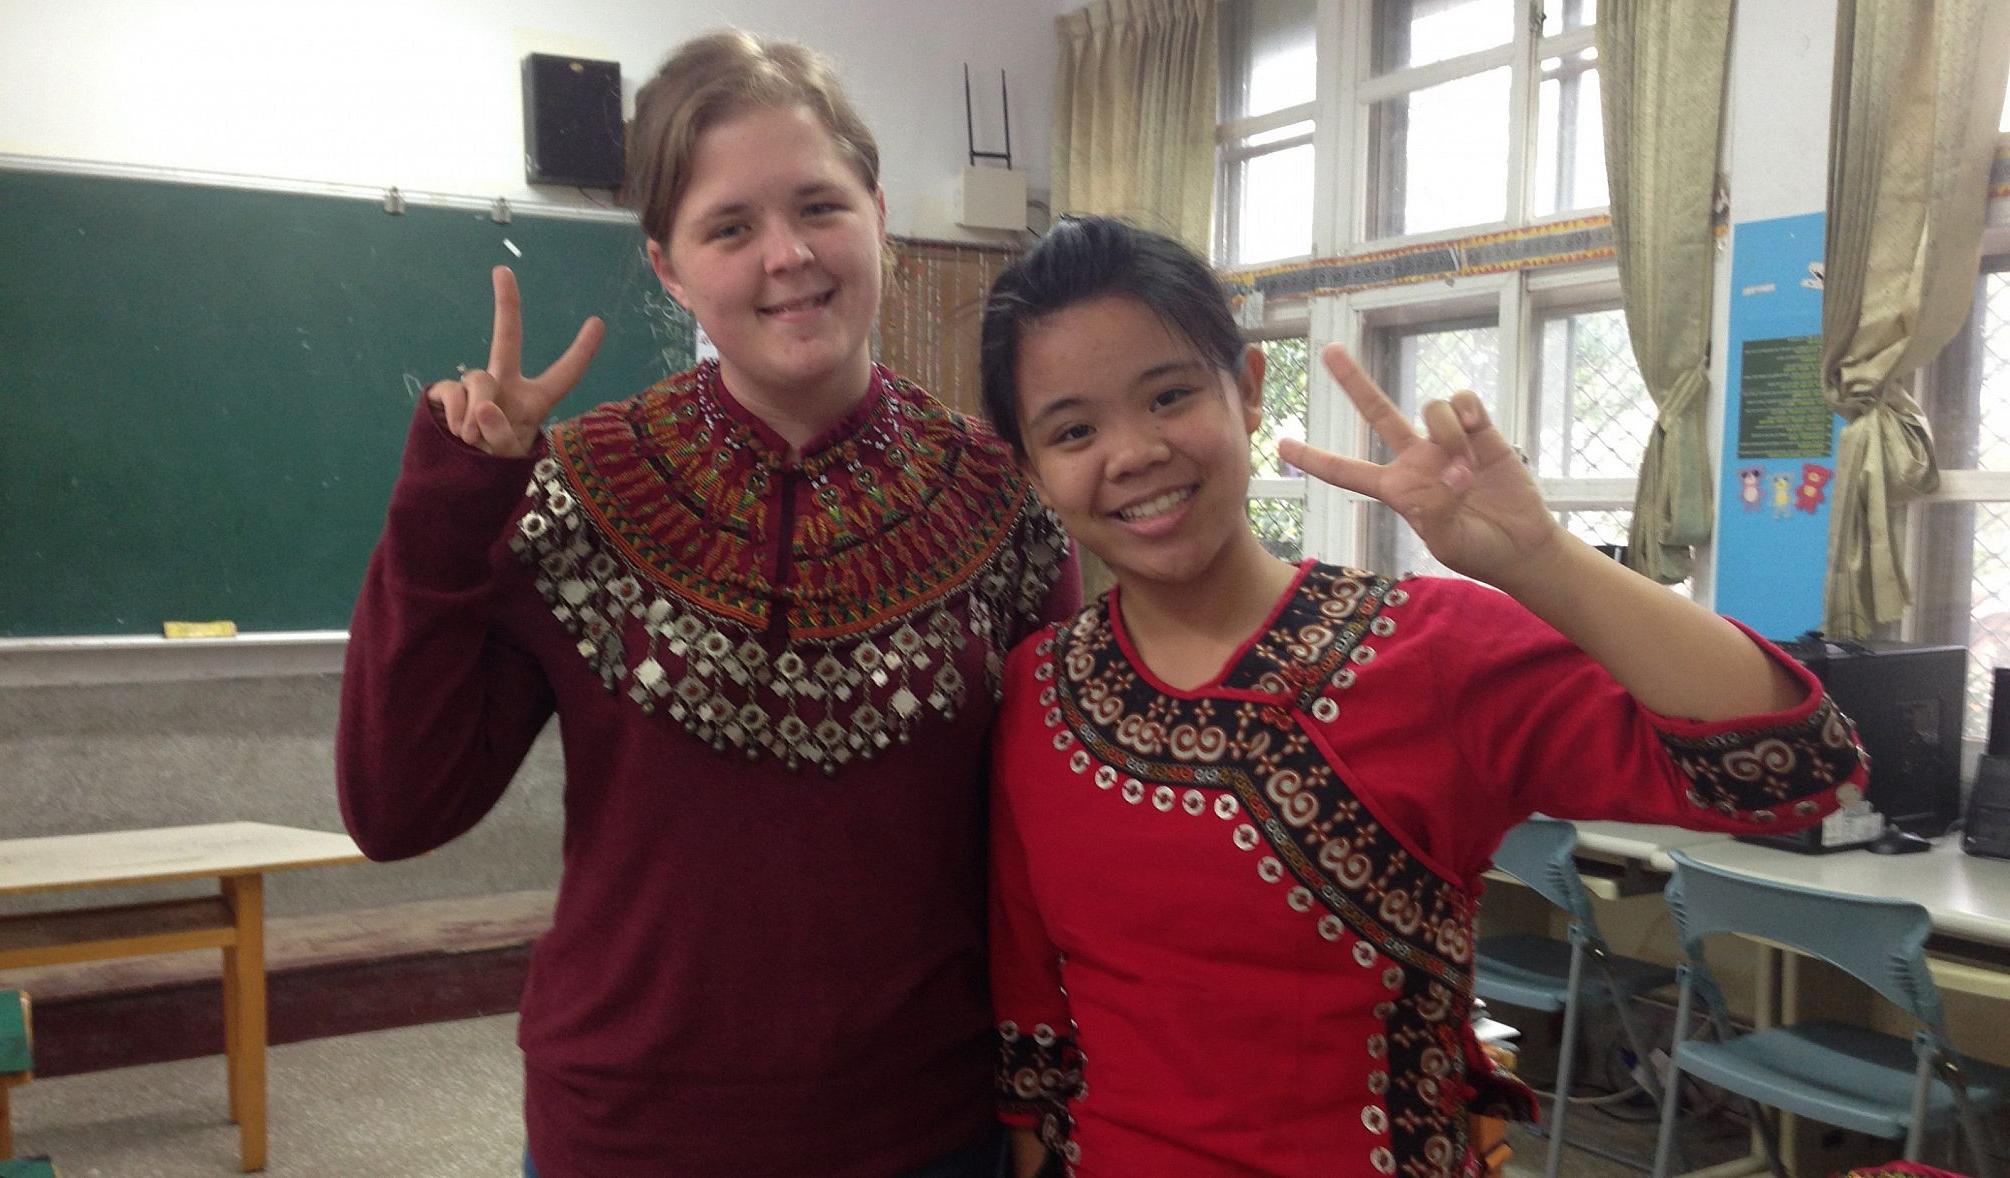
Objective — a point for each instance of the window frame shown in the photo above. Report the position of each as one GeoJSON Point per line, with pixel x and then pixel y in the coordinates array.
{"type": "Point", "coordinates": [1957, 485]}
{"type": "Point", "coordinates": [1336, 520]}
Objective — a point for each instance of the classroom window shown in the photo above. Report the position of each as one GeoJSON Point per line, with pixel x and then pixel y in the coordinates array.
{"type": "Point", "coordinates": [1961, 584]}
{"type": "Point", "coordinates": [1570, 137]}
{"type": "Point", "coordinates": [1269, 84]}
{"type": "Point", "coordinates": [1453, 139]}
{"type": "Point", "coordinates": [1439, 156]}
{"type": "Point", "coordinates": [1277, 491]}
{"type": "Point", "coordinates": [1593, 413]}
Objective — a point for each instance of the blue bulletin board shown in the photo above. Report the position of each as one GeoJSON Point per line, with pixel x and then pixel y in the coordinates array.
{"type": "Point", "coordinates": [1773, 488]}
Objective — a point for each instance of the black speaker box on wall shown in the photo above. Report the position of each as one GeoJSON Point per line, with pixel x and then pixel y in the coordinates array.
{"type": "Point", "coordinates": [571, 121]}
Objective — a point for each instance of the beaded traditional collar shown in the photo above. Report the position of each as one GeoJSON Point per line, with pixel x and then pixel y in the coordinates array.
{"type": "Point", "coordinates": [652, 524]}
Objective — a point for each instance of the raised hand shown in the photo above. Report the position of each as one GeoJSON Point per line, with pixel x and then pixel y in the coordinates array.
{"type": "Point", "coordinates": [1460, 486]}
{"type": "Point", "coordinates": [498, 409]}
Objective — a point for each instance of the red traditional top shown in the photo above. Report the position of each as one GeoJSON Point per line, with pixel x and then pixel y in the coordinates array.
{"type": "Point", "coordinates": [775, 681]}
{"type": "Point", "coordinates": [1232, 927]}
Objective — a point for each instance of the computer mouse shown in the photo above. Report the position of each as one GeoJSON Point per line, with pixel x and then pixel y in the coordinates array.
{"type": "Point", "coordinates": [1897, 842]}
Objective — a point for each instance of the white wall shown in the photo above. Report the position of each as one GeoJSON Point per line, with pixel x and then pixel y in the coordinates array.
{"type": "Point", "coordinates": [425, 94]}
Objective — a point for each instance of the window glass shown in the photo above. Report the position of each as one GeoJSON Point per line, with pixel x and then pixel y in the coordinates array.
{"type": "Point", "coordinates": [1283, 55]}
{"type": "Point", "coordinates": [1439, 156]}
{"type": "Point", "coordinates": [1561, 16]}
{"type": "Point", "coordinates": [1570, 137]}
{"type": "Point", "coordinates": [1593, 414]}
{"type": "Point", "coordinates": [1286, 372]}
{"type": "Point", "coordinates": [1274, 218]}
{"type": "Point", "coordinates": [1419, 32]}
{"type": "Point", "coordinates": [1280, 526]}
{"type": "Point", "coordinates": [1414, 366]}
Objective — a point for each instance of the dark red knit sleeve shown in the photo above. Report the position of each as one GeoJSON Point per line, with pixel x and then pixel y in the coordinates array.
{"type": "Point", "coordinates": [438, 708]}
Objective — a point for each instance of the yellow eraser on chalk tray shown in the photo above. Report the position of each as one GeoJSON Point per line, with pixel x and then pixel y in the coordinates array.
{"type": "Point", "coordinates": [199, 629]}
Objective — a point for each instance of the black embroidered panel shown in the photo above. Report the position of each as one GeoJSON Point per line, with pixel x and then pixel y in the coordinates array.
{"type": "Point", "coordinates": [1039, 1072]}
{"type": "Point", "coordinates": [1753, 773]}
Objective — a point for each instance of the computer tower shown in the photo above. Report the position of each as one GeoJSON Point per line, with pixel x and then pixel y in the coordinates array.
{"type": "Point", "coordinates": [572, 131]}
{"type": "Point", "coordinates": [1907, 702]}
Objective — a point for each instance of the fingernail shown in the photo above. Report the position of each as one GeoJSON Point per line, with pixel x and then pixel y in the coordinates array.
{"type": "Point", "coordinates": [1458, 476]}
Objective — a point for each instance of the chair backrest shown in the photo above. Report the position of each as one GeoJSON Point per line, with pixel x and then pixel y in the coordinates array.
{"type": "Point", "coordinates": [1541, 854]}
{"type": "Point", "coordinates": [1880, 942]}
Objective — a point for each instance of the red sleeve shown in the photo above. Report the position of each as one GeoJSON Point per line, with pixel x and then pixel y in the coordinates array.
{"type": "Point", "coordinates": [1039, 1061]}
{"type": "Point", "coordinates": [438, 708]}
{"type": "Point", "coordinates": [1554, 732]}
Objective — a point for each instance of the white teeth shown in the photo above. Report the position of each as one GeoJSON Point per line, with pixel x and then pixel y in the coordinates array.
{"type": "Point", "coordinates": [1158, 506]}
{"type": "Point", "coordinates": [800, 304]}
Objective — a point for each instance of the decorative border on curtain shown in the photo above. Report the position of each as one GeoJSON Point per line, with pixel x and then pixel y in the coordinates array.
{"type": "Point", "coordinates": [1581, 239]}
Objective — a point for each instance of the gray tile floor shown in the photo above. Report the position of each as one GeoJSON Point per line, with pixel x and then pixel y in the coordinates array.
{"type": "Point", "coordinates": [437, 1101]}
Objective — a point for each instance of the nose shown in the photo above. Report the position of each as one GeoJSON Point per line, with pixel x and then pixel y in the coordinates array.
{"type": "Point", "coordinates": [1137, 448]}
{"type": "Point", "coordinates": [785, 250]}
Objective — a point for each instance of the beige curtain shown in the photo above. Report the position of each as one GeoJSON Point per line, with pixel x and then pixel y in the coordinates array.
{"type": "Point", "coordinates": [1661, 70]}
{"type": "Point", "coordinates": [1918, 85]}
{"type": "Point", "coordinates": [1134, 118]}
{"type": "Point", "coordinates": [1135, 114]}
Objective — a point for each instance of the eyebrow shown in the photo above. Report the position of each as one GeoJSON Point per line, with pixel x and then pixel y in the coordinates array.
{"type": "Point", "coordinates": [741, 208]}
{"type": "Point", "coordinates": [1146, 377]}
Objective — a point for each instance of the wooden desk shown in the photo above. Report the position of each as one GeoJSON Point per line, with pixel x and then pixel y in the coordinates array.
{"type": "Point", "coordinates": [237, 855]}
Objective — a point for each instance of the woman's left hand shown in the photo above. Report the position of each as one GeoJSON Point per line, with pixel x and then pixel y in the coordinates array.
{"type": "Point", "coordinates": [1462, 487]}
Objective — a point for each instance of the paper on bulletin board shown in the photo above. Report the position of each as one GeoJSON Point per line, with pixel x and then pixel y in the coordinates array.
{"type": "Point", "coordinates": [1779, 434]}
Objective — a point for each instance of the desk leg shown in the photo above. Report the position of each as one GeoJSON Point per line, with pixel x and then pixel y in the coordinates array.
{"type": "Point", "coordinates": [244, 1016]}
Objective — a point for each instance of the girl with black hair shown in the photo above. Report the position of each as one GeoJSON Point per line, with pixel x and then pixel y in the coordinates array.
{"type": "Point", "coordinates": [1241, 808]}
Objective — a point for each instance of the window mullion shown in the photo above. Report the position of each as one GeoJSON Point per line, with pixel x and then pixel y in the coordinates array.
{"type": "Point", "coordinates": [1522, 128]}
{"type": "Point", "coordinates": [1331, 520]}
{"type": "Point", "coordinates": [1516, 372]}
{"type": "Point", "coordinates": [1235, 129]}
{"type": "Point", "coordinates": [1397, 83]}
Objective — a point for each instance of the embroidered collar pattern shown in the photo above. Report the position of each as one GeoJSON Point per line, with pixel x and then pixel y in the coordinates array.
{"type": "Point", "coordinates": [650, 522]}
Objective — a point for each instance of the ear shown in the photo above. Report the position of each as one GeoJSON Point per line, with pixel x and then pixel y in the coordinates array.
{"type": "Point", "coordinates": [659, 261]}
{"type": "Point", "coordinates": [1249, 387]}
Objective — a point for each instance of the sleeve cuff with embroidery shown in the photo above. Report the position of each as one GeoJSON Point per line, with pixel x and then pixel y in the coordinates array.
{"type": "Point", "coordinates": [1039, 1073]}
{"type": "Point", "coordinates": [1792, 766]}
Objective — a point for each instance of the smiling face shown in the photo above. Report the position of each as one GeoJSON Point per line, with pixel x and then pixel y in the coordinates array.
{"type": "Point", "coordinates": [1138, 442]}
{"type": "Point", "coordinates": [775, 248]}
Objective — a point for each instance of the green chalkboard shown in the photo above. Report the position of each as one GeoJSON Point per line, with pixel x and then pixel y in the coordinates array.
{"type": "Point", "coordinates": [204, 390]}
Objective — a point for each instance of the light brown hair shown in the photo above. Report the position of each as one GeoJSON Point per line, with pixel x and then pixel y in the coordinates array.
{"type": "Point", "coordinates": [711, 79]}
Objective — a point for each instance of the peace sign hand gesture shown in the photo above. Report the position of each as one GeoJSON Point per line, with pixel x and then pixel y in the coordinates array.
{"type": "Point", "coordinates": [1461, 487]}
{"type": "Point", "coordinates": [498, 409]}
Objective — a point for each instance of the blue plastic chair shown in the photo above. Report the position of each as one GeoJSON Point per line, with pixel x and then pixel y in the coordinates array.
{"type": "Point", "coordinates": [1545, 974]}
{"type": "Point", "coordinates": [1839, 1075]}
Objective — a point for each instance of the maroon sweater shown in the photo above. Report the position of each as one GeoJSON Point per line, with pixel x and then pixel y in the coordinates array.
{"type": "Point", "coordinates": [767, 952]}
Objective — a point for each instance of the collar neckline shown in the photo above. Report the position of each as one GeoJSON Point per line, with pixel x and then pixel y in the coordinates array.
{"type": "Point", "coordinates": [772, 446]}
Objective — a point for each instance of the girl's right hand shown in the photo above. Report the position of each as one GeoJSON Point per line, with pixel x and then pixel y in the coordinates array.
{"type": "Point", "coordinates": [498, 410]}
